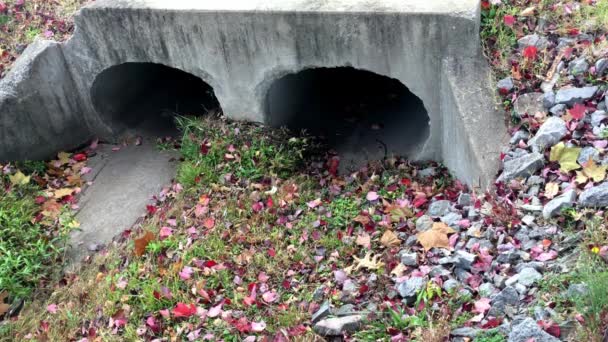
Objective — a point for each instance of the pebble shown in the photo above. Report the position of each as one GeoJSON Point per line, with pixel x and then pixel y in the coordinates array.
{"type": "Point", "coordinates": [450, 285]}
{"type": "Point", "coordinates": [337, 326]}
{"type": "Point", "coordinates": [555, 206]}
{"type": "Point", "coordinates": [465, 199]}
{"type": "Point", "coordinates": [506, 84]}
{"type": "Point", "coordinates": [528, 330]}
{"type": "Point", "coordinates": [528, 276]}
{"type": "Point", "coordinates": [439, 208]}
{"type": "Point", "coordinates": [570, 96]}
{"type": "Point", "coordinates": [523, 166]}
{"type": "Point", "coordinates": [508, 297]}
{"type": "Point", "coordinates": [601, 66]}
{"type": "Point", "coordinates": [424, 223]}
{"type": "Point", "coordinates": [558, 109]}
{"type": "Point", "coordinates": [529, 103]}
{"type": "Point", "coordinates": [532, 40]}
{"type": "Point", "coordinates": [596, 196]}
{"type": "Point", "coordinates": [549, 99]}
{"type": "Point", "coordinates": [597, 117]}
{"type": "Point", "coordinates": [410, 288]}
{"type": "Point", "coordinates": [322, 312]}
{"type": "Point", "coordinates": [578, 66]}
{"type": "Point", "coordinates": [409, 258]}
{"type": "Point", "coordinates": [519, 136]}
{"type": "Point", "coordinates": [549, 134]}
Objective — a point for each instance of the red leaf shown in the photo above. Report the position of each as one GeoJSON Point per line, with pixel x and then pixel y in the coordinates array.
{"type": "Point", "coordinates": [184, 310]}
{"type": "Point", "coordinates": [492, 323]}
{"type": "Point", "coordinates": [80, 157]}
{"type": "Point", "coordinates": [530, 52]}
{"type": "Point", "coordinates": [210, 263]}
{"type": "Point", "coordinates": [3, 7]}
{"type": "Point", "coordinates": [205, 147]}
{"type": "Point", "coordinates": [509, 20]}
{"type": "Point", "coordinates": [485, 4]}
{"type": "Point", "coordinates": [578, 111]}
{"type": "Point", "coordinates": [151, 209]}
{"type": "Point", "coordinates": [271, 252]}
{"type": "Point", "coordinates": [332, 166]}
{"type": "Point", "coordinates": [209, 223]}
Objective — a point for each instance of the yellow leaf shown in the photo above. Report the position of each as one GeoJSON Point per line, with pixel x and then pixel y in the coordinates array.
{"type": "Point", "coordinates": [528, 12]}
{"type": "Point", "coordinates": [399, 270]}
{"type": "Point", "coordinates": [19, 178]}
{"type": "Point", "coordinates": [389, 239]}
{"type": "Point", "coordinates": [594, 171]}
{"type": "Point", "coordinates": [551, 189]}
{"type": "Point", "coordinates": [581, 178]}
{"type": "Point", "coordinates": [436, 237]}
{"type": "Point", "coordinates": [63, 158]}
{"type": "Point", "coordinates": [565, 156]}
{"type": "Point", "coordinates": [63, 192]}
{"type": "Point", "coordinates": [73, 224]}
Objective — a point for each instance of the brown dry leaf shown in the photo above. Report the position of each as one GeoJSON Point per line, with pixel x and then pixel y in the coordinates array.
{"type": "Point", "coordinates": [364, 240]}
{"type": "Point", "coordinates": [399, 270]}
{"type": "Point", "coordinates": [528, 11]}
{"type": "Point", "coordinates": [515, 73]}
{"type": "Point", "coordinates": [63, 158]}
{"type": "Point", "coordinates": [554, 66]}
{"type": "Point", "coordinates": [389, 239]}
{"type": "Point", "coordinates": [436, 237]}
{"type": "Point", "coordinates": [363, 219]}
{"type": "Point", "coordinates": [369, 261]}
{"type": "Point", "coordinates": [142, 242]}
{"type": "Point", "coordinates": [60, 193]}
{"type": "Point", "coordinates": [551, 189]}
{"type": "Point", "coordinates": [3, 307]}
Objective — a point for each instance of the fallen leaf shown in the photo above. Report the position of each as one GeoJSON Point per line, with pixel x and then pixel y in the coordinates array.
{"type": "Point", "coordinates": [142, 242]}
{"type": "Point", "coordinates": [183, 310]}
{"type": "Point", "coordinates": [61, 193]}
{"type": "Point", "coordinates": [369, 261]}
{"type": "Point", "coordinates": [530, 52]}
{"type": "Point", "coordinates": [593, 171]}
{"type": "Point", "coordinates": [389, 239]}
{"type": "Point", "coordinates": [482, 305]}
{"type": "Point", "coordinates": [19, 178]}
{"type": "Point", "coordinates": [577, 111]}
{"type": "Point", "coordinates": [509, 20]}
{"type": "Point", "coordinates": [3, 307]}
{"type": "Point", "coordinates": [63, 158]}
{"type": "Point", "coordinates": [363, 240]}
{"type": "Point", "coordinates": [436, 237]}
{"type": "Point", "coordinates": [399, 270]}
{"type": "Point", "coordinates": [528, 11]}
{"type": "Point", "coordinates": [551, 189]}
{"type": "Point", "coordinates": [372, 196]}
{"type": "Point", "coordinates": [565, 156]}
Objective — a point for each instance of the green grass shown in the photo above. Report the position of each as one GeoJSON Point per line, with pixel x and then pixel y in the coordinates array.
{"type": "Point", "coordinates": [29, 253]}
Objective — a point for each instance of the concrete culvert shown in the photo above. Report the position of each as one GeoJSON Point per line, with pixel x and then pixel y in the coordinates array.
{"type": "Point", "coordinates": [364, 116]}
{"type": "Point", "coordinates": [145, 97]}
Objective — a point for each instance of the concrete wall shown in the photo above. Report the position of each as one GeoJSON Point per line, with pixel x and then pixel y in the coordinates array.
{"type": "Point", "coordinates": [243, 47]}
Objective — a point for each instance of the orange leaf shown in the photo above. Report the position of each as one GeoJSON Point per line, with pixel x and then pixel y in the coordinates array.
{"type": "Point", "coordinates": [389, 239]}
{"type": "Point", "coordinates": [3, 307]}
{"type": "Point", "coordinates": [436, 237]}
{"type": "Point", "coordinates": [142, 242]}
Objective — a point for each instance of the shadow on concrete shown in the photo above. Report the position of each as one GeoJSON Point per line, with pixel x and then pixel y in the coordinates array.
{"type": "Point", "coordinates": [362, 115]}
{"type": "Point", "coordinates": [145, 97]}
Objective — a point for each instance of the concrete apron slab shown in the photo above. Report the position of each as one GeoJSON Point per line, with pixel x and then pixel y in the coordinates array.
{"type": "Point", "coordinates": [123, 182]}
{"type": "Point", "coordinates": [242, 47]}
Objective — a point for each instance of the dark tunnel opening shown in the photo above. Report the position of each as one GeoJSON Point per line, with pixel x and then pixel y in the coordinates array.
{"type": "Point", "coordinates": [146, 97]}
{"type": "Point", "coordinates": [362, 115]}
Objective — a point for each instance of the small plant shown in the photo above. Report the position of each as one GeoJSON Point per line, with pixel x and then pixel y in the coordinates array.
{"type": "Point", "coordinates": [343, 210]}
{"type": "Point", "coordinates": [490, 336]}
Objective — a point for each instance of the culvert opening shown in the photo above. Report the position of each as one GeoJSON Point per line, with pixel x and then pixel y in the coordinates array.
{"type": "Point", "coordinates": [146, 97]}
{"type": "Point", "coordinates": [362, 115]}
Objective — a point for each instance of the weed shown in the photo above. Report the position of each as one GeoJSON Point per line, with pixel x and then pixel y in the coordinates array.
{"type": "Point", "coordinates": [342, 210]}
{"type": "Point", "coordinates": [490, 336]}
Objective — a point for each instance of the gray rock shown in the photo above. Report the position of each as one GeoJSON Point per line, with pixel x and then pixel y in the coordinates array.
{"type": "Point", "coordinates": [558, 109]}
{"type": "Point", "coordinates": [596, 196]}
{"type": "Point", "coordinates": [578, 66]}
{"type": "Point", "coordinates": [508, 297]}
{"type": "Point", "coordinates": [439, 271]}
{"type": "Point", "coordinates": [323, 312]}
{"type": "Point", "coordinates": [346, 310]}
{"type": "Point", "coordinates": [412, 240]}
{"type": "Point", "coordinates": [529, 103]}
{"type": "Point", "coordinates": [410, 288]}
{"type": "Point", "coordinates": [428, 172]}
{"type": "Point", "coordinates": [518, 136]}
{"type": "Point", "coordinates": [465, 332]}
{"type": "Point", "coordinates": [577, 290]}
{"type": "Point", "coordinates": [486, 289]}
{"type": "Point", "coordinates": [549, 99]}
{"type": "Point", "coordinates": [465, 199]}
{"type": "Point", "coordinates": [601, 66]}
{"type": "Point", "coordinates": [537, 265]}
{"type": "Point", "coordinates": [424, 223]}
{"type": "Point", "coordinates": [506, 84]}
{"type": "Point", "coordinates": [337, 326]}
{"type": "Point", "coordinates": [535, 180]}
{"type": "Point", "coordinates": [452, 219]}
{"type": "Point", "coordinates": [549, 134]}
{"type": "Point", "coordinates": [528, 330]}
{"type": "Point", "coordinates": [588, 152]}
{"type": "Point", "coordinates": [461, 274]}
{"type": "Point", "coordinates": [523, 166]}
{"type": "Point", "coordinates": [554, 207]}
{"type": "Point", "coordinates": [571, 96]}
{"type": "Point", "coordinates": [528, 276]}
{"type": "Point", "coordinates": [463, 259]}
{"type": "Point", "coordinates": [450, 285]}
{"type": "Point", "coordinates": [597, 117]}
{"type": "Point", "coordinates": [439, 208]}
{"type": "Point", "coordinates": [409, 258]}
{"type": "Point", "coordinates": [532, 40]}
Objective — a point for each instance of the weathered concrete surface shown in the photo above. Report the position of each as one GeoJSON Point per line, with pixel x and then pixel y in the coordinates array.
{"type": "Point", "coordinates": [123, 182]}
{"type": "Point", "coordinates": [241, 47]}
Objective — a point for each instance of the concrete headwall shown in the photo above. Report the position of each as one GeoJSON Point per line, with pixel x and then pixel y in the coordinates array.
{"type": "Point", "coordinates": [240, 47]}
